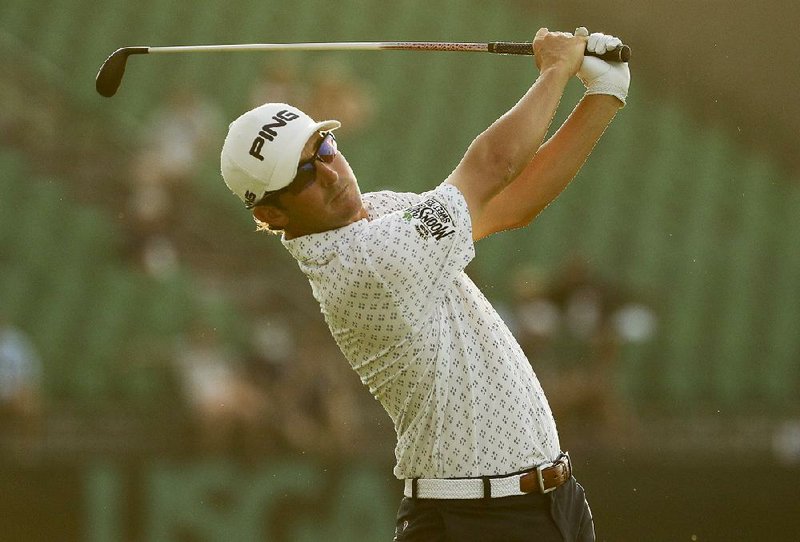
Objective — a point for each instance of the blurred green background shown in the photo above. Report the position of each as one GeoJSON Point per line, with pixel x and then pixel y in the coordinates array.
{"type": "Point", "coordinates": [167, 374]}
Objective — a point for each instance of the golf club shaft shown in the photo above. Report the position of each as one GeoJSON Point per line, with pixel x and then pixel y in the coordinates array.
{"type": "Point", "coordinates": [621, 54]}
{"type": "Point", "coordinates": [110, 75]}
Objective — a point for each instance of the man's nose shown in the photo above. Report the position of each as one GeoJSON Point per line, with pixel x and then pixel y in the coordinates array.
{"type": "Point", "coordinates": [327, 174]}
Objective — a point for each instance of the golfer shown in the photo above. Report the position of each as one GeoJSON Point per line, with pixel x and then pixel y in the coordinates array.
{"type": "Point", "coordinates": [477, 445]}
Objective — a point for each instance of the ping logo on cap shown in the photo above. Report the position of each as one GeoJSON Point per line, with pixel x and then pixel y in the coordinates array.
{"type": "Point", "coordinates": [268, 133]}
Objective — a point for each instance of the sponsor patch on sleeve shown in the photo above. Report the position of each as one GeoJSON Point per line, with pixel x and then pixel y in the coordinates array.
{"type": "Point", "coordinates": [430, 219]}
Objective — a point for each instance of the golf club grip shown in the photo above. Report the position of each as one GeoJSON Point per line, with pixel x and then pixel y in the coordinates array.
{"type": "Point", "coordinates": [620, 54]}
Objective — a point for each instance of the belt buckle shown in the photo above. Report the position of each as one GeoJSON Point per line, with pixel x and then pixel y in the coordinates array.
{"type": "Point", "coordinates": [565, 455]}
{"type": "Point", "coordinates": [540, 478]}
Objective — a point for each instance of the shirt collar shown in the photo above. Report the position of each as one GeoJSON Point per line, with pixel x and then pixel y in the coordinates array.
{"type": "Point", "coordinates": [319, 247]}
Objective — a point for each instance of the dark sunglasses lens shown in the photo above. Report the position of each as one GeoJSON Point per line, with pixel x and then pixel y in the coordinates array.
{"type": "Point", "coordinates": [327, 149]}
{"type": "Point", "coordinates": [307, 171]}
{"type": "Point", "coordinates": [305, 174]}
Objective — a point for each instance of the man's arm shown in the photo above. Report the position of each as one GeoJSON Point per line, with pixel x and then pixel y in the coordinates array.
{"type": "Point", "coordinates": [499, 154]}
{"type": "Point", "coordinates": [554, 166]}
{"type": "Point", "coordinates": [529, 190]}
{"type": "Point", "coordinates": [559, 160]}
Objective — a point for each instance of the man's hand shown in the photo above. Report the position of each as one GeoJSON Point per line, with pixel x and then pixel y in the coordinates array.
{"type": "Point", "coordinates": [558, 50]}
{"type": "Point", "coordinates": [599, 76]}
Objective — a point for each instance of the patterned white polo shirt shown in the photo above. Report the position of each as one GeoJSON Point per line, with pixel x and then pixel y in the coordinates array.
{"type": "Point", "coordinates": [462, 395]}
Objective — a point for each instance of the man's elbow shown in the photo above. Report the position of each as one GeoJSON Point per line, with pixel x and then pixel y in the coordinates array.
{"type": "Point", "coordinates": [499, 165]}
{"type": "Point", "coordinates": [523, 221]}
{"type": "Point", "coordinates": [509, 165]}
{"type": "Point", "coordinates": [525, 216]}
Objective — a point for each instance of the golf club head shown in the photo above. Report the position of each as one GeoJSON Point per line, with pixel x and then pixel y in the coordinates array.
{"type": "Point", "coordinates": [110, 75]}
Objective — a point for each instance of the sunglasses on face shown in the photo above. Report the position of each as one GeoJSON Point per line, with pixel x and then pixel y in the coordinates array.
{"type": "Point", "coordinates": [307, 169]}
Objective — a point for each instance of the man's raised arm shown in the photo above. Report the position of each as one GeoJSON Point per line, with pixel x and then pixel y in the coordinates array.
{"type": "Point", "coordinates": [500, 153]}
{"type": "Point", "coordinates": [561, 157]}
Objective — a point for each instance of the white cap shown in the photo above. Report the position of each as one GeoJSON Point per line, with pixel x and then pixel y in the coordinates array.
{"type": "Point", "coordinates": [263, 147]}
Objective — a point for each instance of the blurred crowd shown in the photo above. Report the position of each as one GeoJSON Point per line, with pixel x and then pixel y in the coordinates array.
{"type": "Point", "coordinates": [277, 392]}
{"type": "Point", "coordinates": [174, 145]}
{"type": "Point", "coordinates": [275, 387]}
{"type": "Point", "coordinates": [20, 377]}
{"type": "Point", "coordinates": [287, 391]}
{"type": "Point", "coordinates": [183, 136]}
{"type": "Point", "coordinates": [574, 326]}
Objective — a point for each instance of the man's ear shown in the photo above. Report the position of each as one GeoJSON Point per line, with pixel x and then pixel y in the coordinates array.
{"type": "Point", "coordinates": [272, 215]}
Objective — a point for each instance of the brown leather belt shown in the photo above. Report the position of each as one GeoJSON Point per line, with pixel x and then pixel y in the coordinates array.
{"type": "Point", "coordinates": [543, 479]}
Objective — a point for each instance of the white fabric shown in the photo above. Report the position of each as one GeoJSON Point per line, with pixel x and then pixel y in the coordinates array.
{"type": "Point", "coordinates": [464, 489]}
{"type": "Point", "coordinates": [599, 76]}
{"type": "Point", "coordinates": [600, 43]}
{"type": "Point", "coordinates": [462, 395]}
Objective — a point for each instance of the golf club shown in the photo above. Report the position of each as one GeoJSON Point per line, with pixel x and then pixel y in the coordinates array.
{"type": "Point", "coordinates": [110, 75]}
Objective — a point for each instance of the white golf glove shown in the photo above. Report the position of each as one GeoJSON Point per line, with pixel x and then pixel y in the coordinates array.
{"type": "Point", "coordinates": [599, 76]}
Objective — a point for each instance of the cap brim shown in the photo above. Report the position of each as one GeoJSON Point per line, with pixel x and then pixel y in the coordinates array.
{"type": "Point", "coordinates": [289, 166]}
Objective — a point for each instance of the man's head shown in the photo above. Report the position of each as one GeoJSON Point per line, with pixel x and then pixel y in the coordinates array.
{"type": "Point", "coordinates": [286, 168]}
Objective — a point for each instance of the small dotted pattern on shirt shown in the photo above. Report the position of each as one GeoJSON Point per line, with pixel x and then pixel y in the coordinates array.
{"type": "Point", "coordinates": [463, 397]}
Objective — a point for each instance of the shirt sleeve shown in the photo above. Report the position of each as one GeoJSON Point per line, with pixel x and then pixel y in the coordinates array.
{"type": "Point", "coordinates": [417, 252]}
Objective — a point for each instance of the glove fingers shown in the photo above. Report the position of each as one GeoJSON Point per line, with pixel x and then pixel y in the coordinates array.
{"type": "Point", "coordinates": [600, 43]}
{"type": "Point", "coordinates": [593, 44]}
{"type": "Point", "coordinates": [612, 43]}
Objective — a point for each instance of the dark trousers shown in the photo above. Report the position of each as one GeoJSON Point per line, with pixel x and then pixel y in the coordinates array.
{"type": "Point", "coordinates": [561, 515]}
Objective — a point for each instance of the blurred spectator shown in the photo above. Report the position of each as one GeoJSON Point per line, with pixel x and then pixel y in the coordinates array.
{"type": "Point", "coordinates": [313, 402]}
{"type": "Point", "coordinates": [174, 144]}
{"type": "Point", "coordinates": [330, 91]}
{"type": "Point", "coordinates": [573, 327]}
{"type": "Point", "coordinates": [28, 119]}
{"type": "Point", "coordinates": [635, 322]}
{"type": "Point", "coordinates": [536, 318]}
{"type": "Point", "coordinates": [337, 94]}
{"type": "Point", "coordinates": [786, 442]}
{"type": "Point", "coordinates": [318, 398]}
{"type": "Point", "coordinates": [272, 349]}
{"type": "Point", "coordinates": [227, 408]}
{"type": "Point", "coordinates": [20, 376]}
{"type": "Point", "coordinates": [280, 83]}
